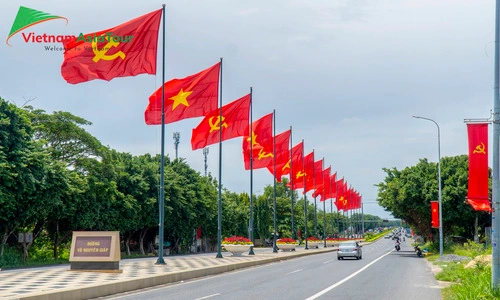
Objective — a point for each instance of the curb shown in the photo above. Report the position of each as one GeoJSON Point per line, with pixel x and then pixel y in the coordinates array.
{"type": "Point", "coordinates": [101, 290]}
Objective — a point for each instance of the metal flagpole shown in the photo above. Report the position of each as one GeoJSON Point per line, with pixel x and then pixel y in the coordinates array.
{"type": "Point", "coordinates": [315, 205]}
{"type": "Point", "coordinates": [495, 215]}
{"type": "Point", "coordinates": [219, 202]}
{"type": "Point", "coordinates": [161, 206]}
{"type": "Point", "coordinates": [275, 249]}
{"type": "Point", "coordinates": [305, 200]}
{"type": "Point", "coordinates": [291, 183]}
{"type": "Point", "coordinates": [324, 222]}
{"type": "Point", "coordinates": [250, 227]}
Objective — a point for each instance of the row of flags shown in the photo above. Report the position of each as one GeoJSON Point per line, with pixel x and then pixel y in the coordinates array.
{"type": "Point", "coordinates": [130, 49]}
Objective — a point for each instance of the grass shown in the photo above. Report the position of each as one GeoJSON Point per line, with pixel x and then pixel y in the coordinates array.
{"type": "Point", "coordinates": [467, 283]}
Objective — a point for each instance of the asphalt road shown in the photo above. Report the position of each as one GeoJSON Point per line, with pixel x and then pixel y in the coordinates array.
{"type": "Point", "coordinates": [383, 273]}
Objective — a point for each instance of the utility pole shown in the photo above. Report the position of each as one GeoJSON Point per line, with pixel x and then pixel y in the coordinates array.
{"type": "Point", "coordinates": [177, 137]}
{"type": "Point", "coordinates": [205, 154]}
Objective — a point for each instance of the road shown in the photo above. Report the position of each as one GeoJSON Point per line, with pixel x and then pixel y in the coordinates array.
{"type": "Point", "coordinates": [383, 273]}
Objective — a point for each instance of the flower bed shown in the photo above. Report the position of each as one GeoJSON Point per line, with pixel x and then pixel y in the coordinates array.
{"type": "Point", "coordinates": [237, 245]}
{"type": "Point", "coordinates": [313, 242]}
{"type": "Point", "coordinates": [236, 240]}
{"type": "Point", "coordinates": [287, 244]}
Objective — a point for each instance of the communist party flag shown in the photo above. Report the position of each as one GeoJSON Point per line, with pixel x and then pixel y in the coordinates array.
{"type": "Point", "coordinates": [128, 49]}
{"type": "Point", "coordinates": [435, 214]}
{"type": "Point", "coordinates": [323, 190]}
{"type": "Point", "coordinates": [333, 186]}
{"type": "Point", "coordinates": [295, 166]}
{"type": "Point", "coordinates": [189, 97]}
{"type": "Point", "coordinates": [477, 195]}
{"type": "Point", "coordinates": [262, 130]}
{"type": "Point", "coordinates": [282, 142]}
{"type": "Point", "coordinates": [306, 174]}
{"type": "Point", "coordinates": [234, 123]}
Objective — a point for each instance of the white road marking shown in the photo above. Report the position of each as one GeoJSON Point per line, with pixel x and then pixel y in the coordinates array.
{"type": "Point", "coordinates": [209, 296]}
{"type": "Point", "coordinates": [294, 272]}
{"type": "Point", "coordinates": [328, 261]}
{"type": "Point", "coordinates": [317, 295]}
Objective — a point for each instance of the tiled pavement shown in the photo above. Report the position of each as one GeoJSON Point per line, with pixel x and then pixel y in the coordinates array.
{"type": "Point", "coordinates": [59, 283]}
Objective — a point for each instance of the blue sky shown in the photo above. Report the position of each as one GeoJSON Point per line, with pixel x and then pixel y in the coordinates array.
{"type": "Point", "coordinates": [346, 75]}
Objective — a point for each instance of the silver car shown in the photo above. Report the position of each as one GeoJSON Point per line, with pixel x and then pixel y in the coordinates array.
{"type": "Point", "coordinates": [349, 249]}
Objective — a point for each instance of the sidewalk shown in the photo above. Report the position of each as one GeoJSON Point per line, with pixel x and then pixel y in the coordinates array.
{"type": "Point", "coordinates": [57, 282]}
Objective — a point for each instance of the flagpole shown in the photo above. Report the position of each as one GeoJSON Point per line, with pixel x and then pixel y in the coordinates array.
{"type": "Point", "coordinates": [250, 227]}
{"type": "Point", "coordinates": [305, 200]}
{"type": "Point", "coordinates": [292, 181]}
{"type": "Point", "coordinates": [161, 205]}
{"type": "Point", "coordinates": [275, 250]}
{"type": "Point", "coordinates": [315, 208]}
{"type": "Point", "coordinates": [495, 215]}
{"type": "Point", "coordinates": [219, 202]}
{"type": "Point", "coordinates": [324, 221]}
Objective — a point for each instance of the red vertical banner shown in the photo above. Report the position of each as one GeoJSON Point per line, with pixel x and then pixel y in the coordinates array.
{"type": "Point", "coordinates": [477, 195]}
{"type": "Point", "coordinates": [435, 214]}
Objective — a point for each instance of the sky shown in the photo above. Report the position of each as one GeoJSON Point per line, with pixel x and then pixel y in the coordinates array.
{"type": "Point", "coordinates": [346, 75]}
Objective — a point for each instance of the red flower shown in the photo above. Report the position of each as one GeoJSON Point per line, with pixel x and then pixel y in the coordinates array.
{"type": "Point", "coordinates": [312, 238]}
{"type": "Point", "coordinates": [286, 241]}
{"type": "Point", "coordinates": [236, 240]}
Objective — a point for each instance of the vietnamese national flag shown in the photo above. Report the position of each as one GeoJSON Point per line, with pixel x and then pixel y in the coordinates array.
{"type": "Point", "coordinates": [262, 131]}
{"type": "Point", "coordinates": [477, 195]}
{"type": "Point", "coordinates": [234, 123]}
{"type": "Point", "coordinates": [193, 96]}
{"type": "Point", "coordinates": [128, 49]}
{"type": "Point", "coordinates": [435, 214]}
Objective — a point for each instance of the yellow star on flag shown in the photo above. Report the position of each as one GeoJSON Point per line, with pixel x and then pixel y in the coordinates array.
{"type": "Point", "coordinates": [180, 98]}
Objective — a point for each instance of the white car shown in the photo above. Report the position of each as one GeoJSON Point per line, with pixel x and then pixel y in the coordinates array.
{"type": "Point", "coordinates": [349, 249]}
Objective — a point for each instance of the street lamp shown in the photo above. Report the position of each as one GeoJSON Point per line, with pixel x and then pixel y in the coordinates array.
{"type": "Point", "coordinates": [439, 187]}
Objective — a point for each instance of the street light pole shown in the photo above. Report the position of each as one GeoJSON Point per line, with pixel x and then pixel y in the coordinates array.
{"type": "Point", "coordinates": [439, 187]}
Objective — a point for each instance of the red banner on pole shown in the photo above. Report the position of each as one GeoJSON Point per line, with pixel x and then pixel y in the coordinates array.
{"type": "Point", "coordinates": [435, 214]}
{"type": "Point", "coordinates": [477, 195]}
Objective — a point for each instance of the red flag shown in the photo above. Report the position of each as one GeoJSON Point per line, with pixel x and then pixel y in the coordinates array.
{"type": "Point", "coordinates": [282, 141]}
{"type": "Point", "coordinates": [324, 190]}
{"type": "Point", "coordinates": [234, 123]}
{"type": "Point", "coordinates": [295, 166]}
{"type": "Point", "coordinates": [128, 49]}
{"type": "Point", "coordinates": [282, 159]}
{"type": "Point", "coordinates": [309, 171]}
{"type": "Point", "coordinates": [189, 97]}
{"type": "Point", "coordinates": [477, 195]}
{"type": "Point", "coordinates": [435, 214]}
{"type": "Point", "coordinates": [262, 130]}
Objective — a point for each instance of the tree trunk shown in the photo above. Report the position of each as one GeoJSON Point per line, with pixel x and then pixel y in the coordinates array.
{"type": "Point", "coordinates": [4, 241]}
{"type": "Point", "coordinates": [56, 240]}
{"type": "Point", "coordinates": [141, 240]}
{"type": "Point", "coordinates": [127, 243]}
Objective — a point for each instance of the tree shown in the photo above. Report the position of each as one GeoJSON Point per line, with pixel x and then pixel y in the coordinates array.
{"type": "Point", "coordinates": [407, 195]}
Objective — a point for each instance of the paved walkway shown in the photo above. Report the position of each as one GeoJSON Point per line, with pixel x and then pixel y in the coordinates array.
{"type": "Point", "coordinates": [57, 282]}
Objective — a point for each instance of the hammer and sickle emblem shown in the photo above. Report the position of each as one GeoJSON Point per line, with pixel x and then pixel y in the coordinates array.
{"type": "Point", "coordinates": [344, 200]}
{"type": "Point", "coordinates": [286, 166]}
{"type": "Point", "coordinates": [300, 174]}
{"type": "Point", "coordinates": [217, 125]}
{"type": "Point", "coordinates": [101, 53]}
{"type": "Point", "coordinates": [480, 149]}
{"type": "Point", "coordinates": [263, 154]}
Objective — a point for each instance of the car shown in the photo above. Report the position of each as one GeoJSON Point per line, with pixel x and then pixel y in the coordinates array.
{"type": "Point", "coordinates": [388, 236]}
{"type": "Point", "coordinates": [349, 249]}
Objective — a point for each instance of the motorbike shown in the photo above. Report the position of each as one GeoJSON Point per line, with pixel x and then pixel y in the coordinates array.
{"type": "Point", "coordinates": [418, 250]}
{"type": "Point", "coordinates": [397, 247]}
